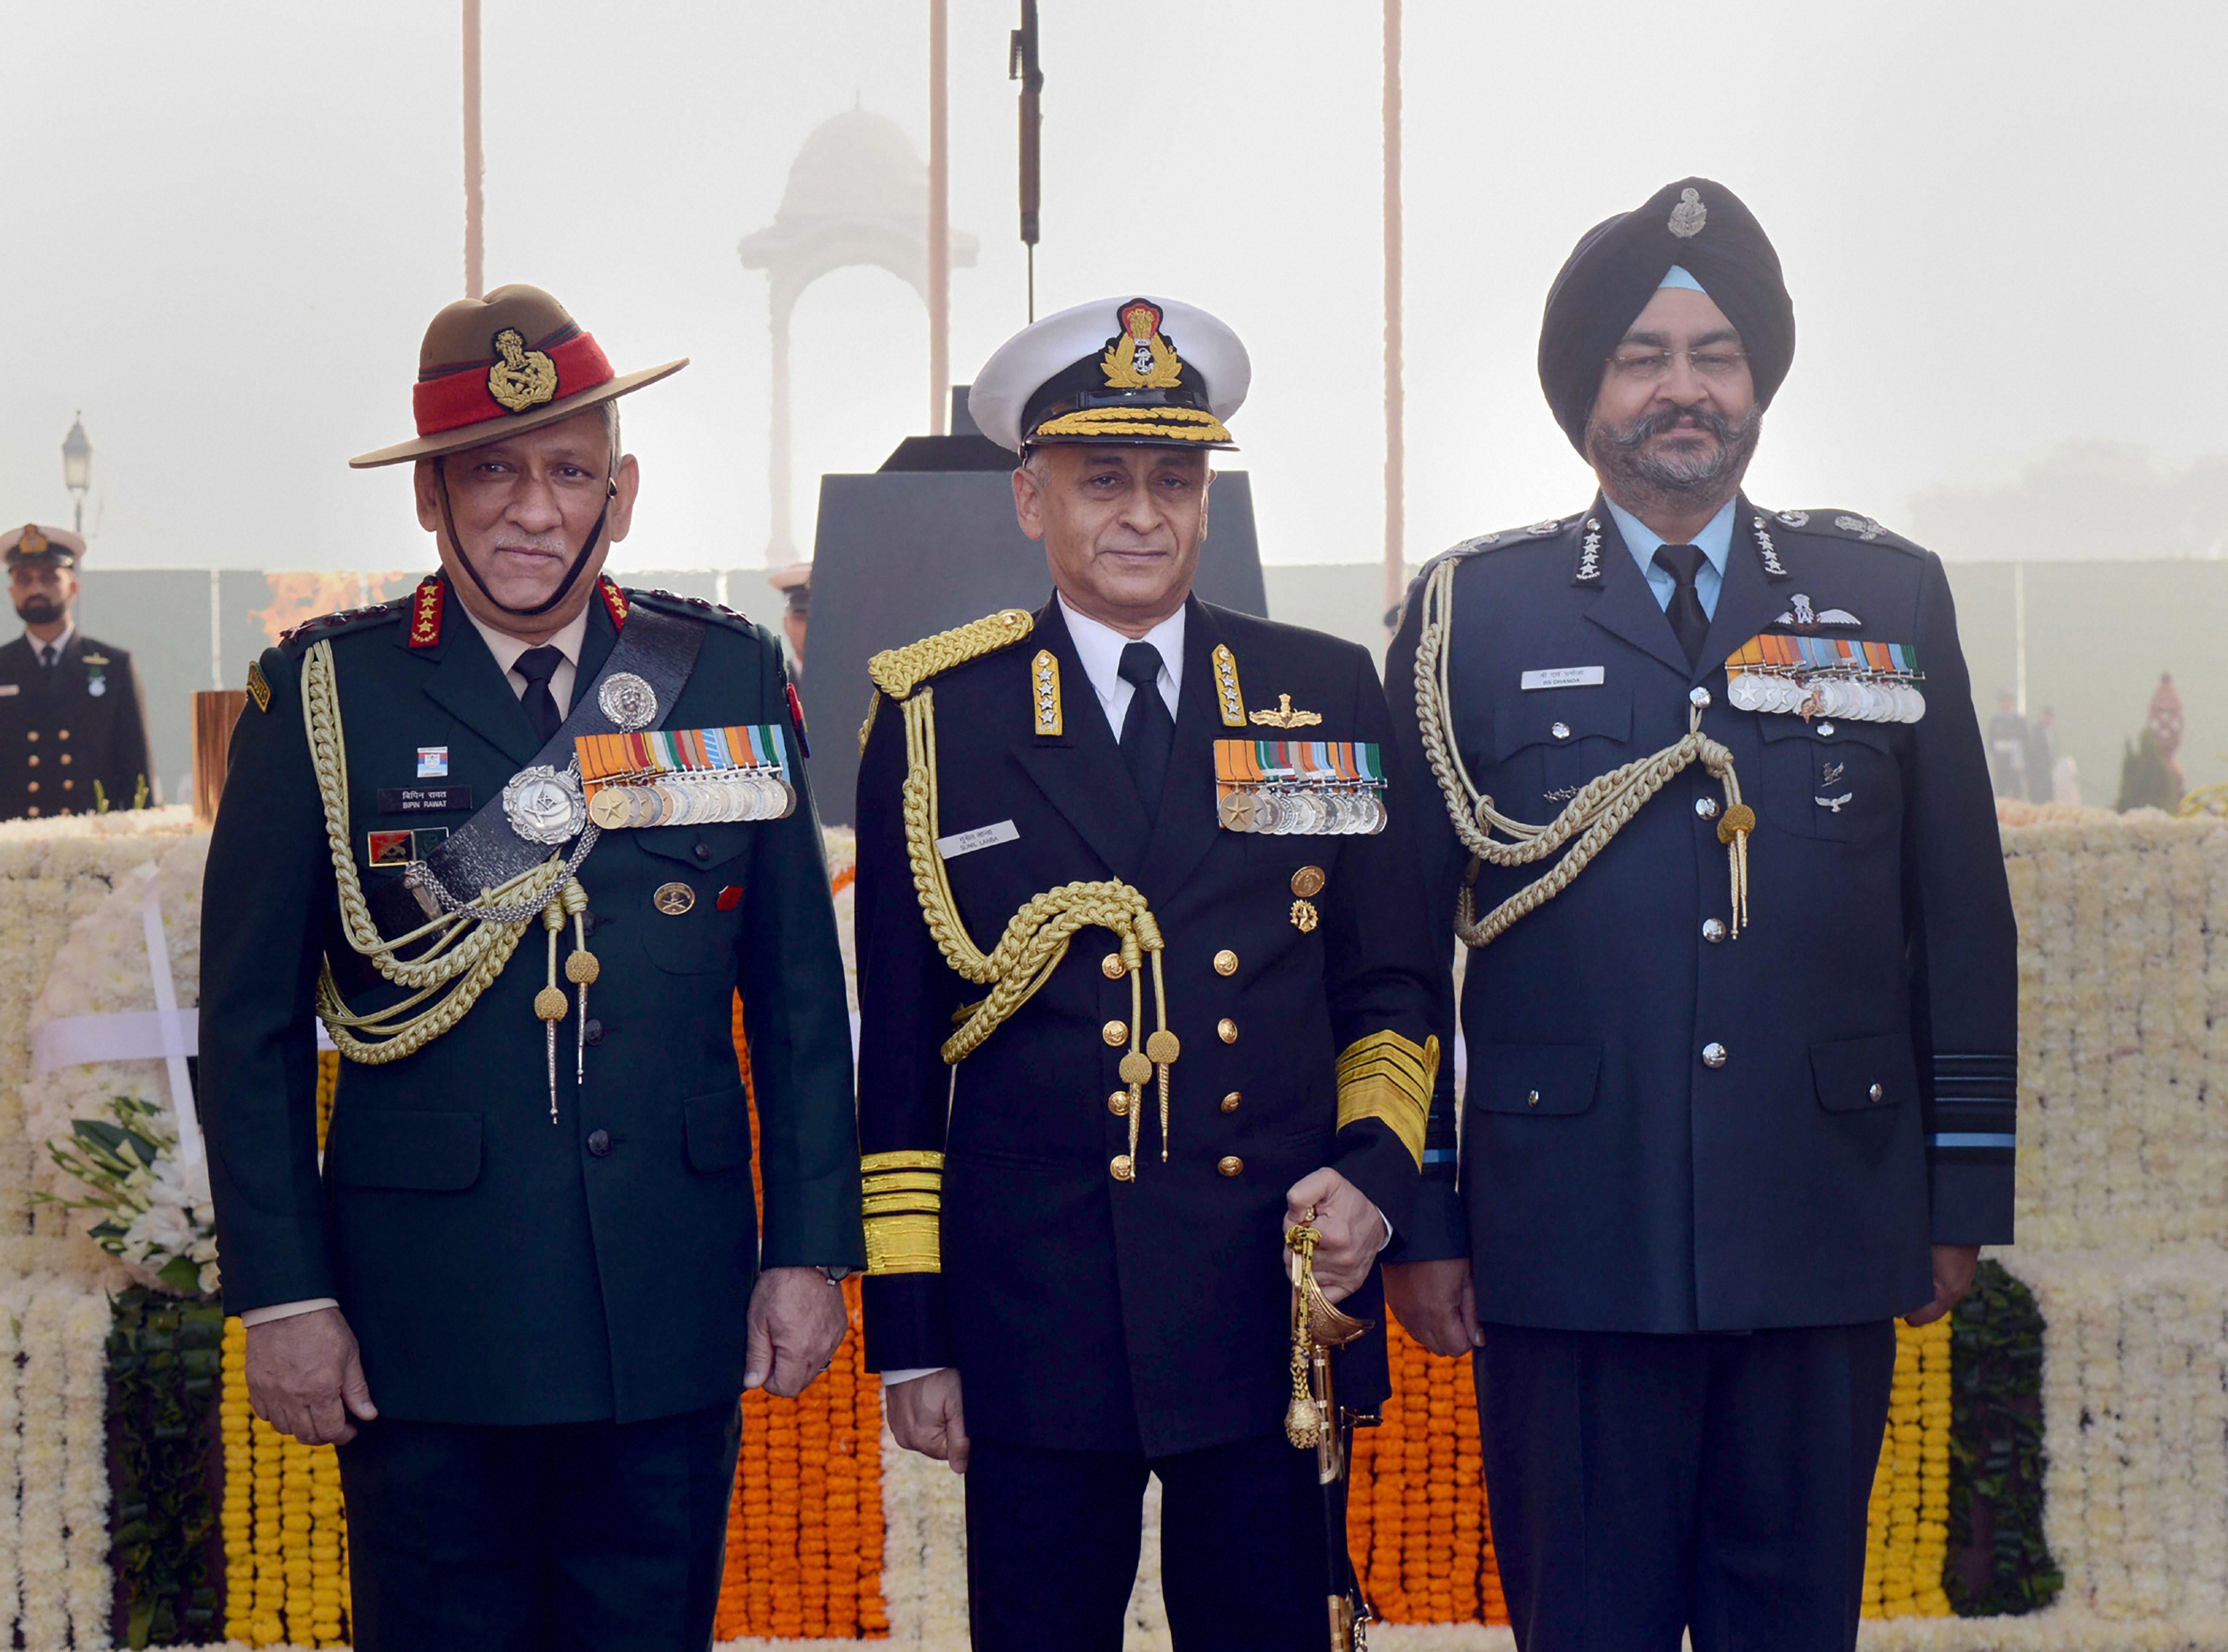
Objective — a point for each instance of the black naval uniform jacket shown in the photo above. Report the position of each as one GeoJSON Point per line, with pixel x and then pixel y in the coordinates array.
{"type": "Point", "coordinates": [1086, 1313]}
{"type": "Point", "coordinates": [498, 1268]}
{"type": "Point", "coordinates": [64, 725]}
{"type": "Point", "coordinates": [1614, 1181]}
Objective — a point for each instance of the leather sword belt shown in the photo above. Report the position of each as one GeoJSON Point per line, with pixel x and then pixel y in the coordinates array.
{"type": "Point", "coordinates": [660, 648]}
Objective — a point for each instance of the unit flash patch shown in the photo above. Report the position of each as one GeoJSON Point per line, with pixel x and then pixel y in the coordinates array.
{"type": "Point", "coordinates": [258, 689]}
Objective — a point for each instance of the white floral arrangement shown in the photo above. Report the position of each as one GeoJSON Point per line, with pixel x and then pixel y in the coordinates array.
{"type": "Point", "coordinates": [108, 1127]}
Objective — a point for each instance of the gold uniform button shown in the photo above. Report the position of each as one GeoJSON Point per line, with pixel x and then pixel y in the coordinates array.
{"type": "Point", "coordinates": [65, 758]}
{"type": "Point", "coordinates": [1307, 881]}
{"type": "Point", "coordinates": [32, 786]}
{"type": "Point", "coordinates": [1111, 966]}
{"type": "Point", "coordinates": [1227, 1030]}
{"type": "Point", "coordinates": [31, 734]}
{"type": "Point", "coordinates": [69, 785]}
{"type": "Point", "coordinates": [33, 759]}
{"type": "Point", "coordinates": [1231, 1166]}
{"type": "Point", "coordinates": [1114, 1032]}
{"type": "Point", "coordinates": [35, 810]}
{"type": "Point", "coordinates": [1122, 1168]}
{"type": "Point", "coordinates": [1119, 1103]}
{"type": "Point", "coordinates": [62, 733]}
{"type": "Point", "coordinates": [1226, 962]}
{"type": "Point", "coordinates": [1229, 1102]}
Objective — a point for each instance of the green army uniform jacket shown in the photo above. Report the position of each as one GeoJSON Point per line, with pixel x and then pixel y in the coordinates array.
{"type": "Point", "coordinates": [495, 1267]}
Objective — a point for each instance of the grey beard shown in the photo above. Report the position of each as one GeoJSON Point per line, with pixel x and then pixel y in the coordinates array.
{"type": "Point", "coordinates": [1619, 454]}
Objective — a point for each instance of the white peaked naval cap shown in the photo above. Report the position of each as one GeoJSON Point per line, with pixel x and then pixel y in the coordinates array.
{"type": "Point", "coordinates": [1142, 370]}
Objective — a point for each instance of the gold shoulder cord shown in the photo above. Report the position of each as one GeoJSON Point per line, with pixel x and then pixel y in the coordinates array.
{"type": "Point", "coordinates": [1588, 820]}
{"type": "Point", "coordinates": [467, 948]}
{"type": "Point", "coordinates": [1036, 938]}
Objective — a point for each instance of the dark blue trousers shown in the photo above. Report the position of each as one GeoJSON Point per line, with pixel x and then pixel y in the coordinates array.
{"type": "Point", "coordinates": [606, 1537]}
{"type": "Point", "coordinates": [1643, 1485]}
{"type": "Point", "coordinates": [1052, 1540]}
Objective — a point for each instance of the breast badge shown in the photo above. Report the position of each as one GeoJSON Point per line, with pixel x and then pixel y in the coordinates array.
{"type": "Point", "coordinates": [1285, 717]}
{"type": "Point", "coordinates": [544, 804]}
{"type": "Point", "coordinates": [673, 898]}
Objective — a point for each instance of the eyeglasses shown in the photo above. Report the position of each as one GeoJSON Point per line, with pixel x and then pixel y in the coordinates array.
{"type": "Point", "coordinates": [1650, 367]}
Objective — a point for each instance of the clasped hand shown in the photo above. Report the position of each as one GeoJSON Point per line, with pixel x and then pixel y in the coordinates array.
{"type": "Point", "coordinates": [1351, 1229]}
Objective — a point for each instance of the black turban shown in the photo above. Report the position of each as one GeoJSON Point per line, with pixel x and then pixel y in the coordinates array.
{"type": "Point", "coordinates": [1614, 269]}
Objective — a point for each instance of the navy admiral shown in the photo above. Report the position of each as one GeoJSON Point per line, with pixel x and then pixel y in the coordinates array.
{"type": "Point", "coordinates": [1715, 814]}
{"type": "Point", "coordinates": [518, 839]}
{"type": "Point", "coordinates": [72, 725]}
{"type": "Point", "coordinates": [1144, 979]}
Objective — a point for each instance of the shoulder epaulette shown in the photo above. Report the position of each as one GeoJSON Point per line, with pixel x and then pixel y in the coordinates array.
{"type": "Point", "coordinates": [1500, 540]}
{"type": "Point", "coordinates": [896, 671]}
{"type": "Point", "coordinates": [346, 620]}
{"type": "Point", "coordinates": [690, 608]}
{"type": "Point", "coordinates": [1844, 525]}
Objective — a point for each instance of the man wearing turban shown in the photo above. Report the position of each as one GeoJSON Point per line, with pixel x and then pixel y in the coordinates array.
{"type": "Point", "coordinates": [1740, 1006]}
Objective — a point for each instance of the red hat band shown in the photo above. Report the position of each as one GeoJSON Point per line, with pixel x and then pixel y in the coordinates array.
{"type": "Point", "coordinates": [515, 378]}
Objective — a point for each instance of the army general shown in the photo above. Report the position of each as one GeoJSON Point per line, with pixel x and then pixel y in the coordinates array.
{"type": "Point", "coordinates": [518, 839]}
{"type": "Point", "coordinates": [1143, 977]}
{"type": "Point", "coordinates": [1715, 814]}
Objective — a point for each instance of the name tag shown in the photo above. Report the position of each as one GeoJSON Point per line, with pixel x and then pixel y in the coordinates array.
{"type": "Point", "coordinates": [1565, 676]}
{"type": "Point", "coordinates": [982, 837]}
{"type": "Point", "coordinates": [423, 800]}
{"type": "Point", "coordinates": [7, 689]}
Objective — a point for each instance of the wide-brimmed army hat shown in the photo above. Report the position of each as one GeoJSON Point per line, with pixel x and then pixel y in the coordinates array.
{"type": "Point", "coordinates": [42, 547]}
{"type": "Point", "coordinates": [511, 362]}
{"type": "Point", "coordinates": [1144, 372]}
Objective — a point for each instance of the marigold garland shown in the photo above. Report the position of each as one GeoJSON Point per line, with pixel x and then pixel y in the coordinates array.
{"type": "Point", "coordinates": [804, 1522]}
{"type": "Point", "coordinates": [286, 1533]}
{"type": "Point", "coordinates": [1907, 1526]}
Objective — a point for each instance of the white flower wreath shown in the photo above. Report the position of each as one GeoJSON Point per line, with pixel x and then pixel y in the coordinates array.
{"type": "Point", "coordinates": [111, 1134]}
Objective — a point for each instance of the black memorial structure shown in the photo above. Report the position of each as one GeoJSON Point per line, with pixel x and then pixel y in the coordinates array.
{"type": "Point", "coordinates": [929, 541]}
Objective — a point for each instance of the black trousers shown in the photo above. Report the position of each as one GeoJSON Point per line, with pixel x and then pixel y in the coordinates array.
{"type": "Point", "coordinates": [1643, 1485]}
{"type": "Point", "coordinates": [1052, 1540]}
{"type": "Point", "coordinates": [607, 1536]}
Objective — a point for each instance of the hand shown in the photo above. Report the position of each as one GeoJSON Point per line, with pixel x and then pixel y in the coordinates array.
{"type": "Point", "coordinates": [796, 1321]}
{"type": "Point", "coordinates": [1352, 1228]}
{"type": "Point", "coordinates": [1437, 1303]}
{"type": "Point", "coordinates": [305, 1378]}
{"type": "Point", "coordinates": [1953, 1277]}
{"type": "Point", "coordinates": [926, 1415]}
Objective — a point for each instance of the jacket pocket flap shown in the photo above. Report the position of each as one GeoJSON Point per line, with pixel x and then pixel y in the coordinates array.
{"type": "Point", "coordinates": [1859, 1072]}
{"type": "Point", "coordinates": [1581, 714]}
{"type": "Point", "coordinates": [718, 1125]}
{"type": "Point", "coordinates": [718, 843]}
{"type": "Point", "coordinates": [428, 1152]}
{"type": "Point", "coordinates": [1772, 726]}
{"type": "Point", "coordinates": [1556, 1078]}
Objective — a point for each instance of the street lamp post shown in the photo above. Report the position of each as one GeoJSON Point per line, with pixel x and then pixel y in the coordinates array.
{"type": "Point", "coordinates": [77, 465]}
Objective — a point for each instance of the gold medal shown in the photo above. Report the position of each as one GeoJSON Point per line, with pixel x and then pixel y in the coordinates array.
{"type": "Point", "coordinates": [673, 898]}
{"type": "Point", "coordinates": [610, 808]}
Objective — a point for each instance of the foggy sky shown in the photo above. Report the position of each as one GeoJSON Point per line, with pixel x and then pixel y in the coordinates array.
{"type": "Point", "coordinates": [227, 225]}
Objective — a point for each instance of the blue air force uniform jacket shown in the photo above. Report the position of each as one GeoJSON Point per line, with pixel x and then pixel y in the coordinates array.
{"type": "Point", "coordinates": [497, 1267]}
{"type": "Point", "coordinates": [1619, 1173]}
{"type": "Point", "coordinates": [1086, 1312]}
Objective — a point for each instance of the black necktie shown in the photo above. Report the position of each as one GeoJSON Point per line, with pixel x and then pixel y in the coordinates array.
{"type": "Point", "coordinates": [1688, 623]}
{"type": "Point", "coordinates": [537, 666]}
{"type": "Point", "coordinates": [49, 653]}
{"type": "Point", "coordinates": [1148, 732]}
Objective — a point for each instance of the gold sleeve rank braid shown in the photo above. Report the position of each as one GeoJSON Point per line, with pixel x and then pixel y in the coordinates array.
{"type": "Point", "coordinates": [1388, 1078]}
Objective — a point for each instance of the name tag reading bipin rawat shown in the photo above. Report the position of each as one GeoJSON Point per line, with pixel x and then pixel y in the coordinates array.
{"type": "Point", "coordinates": [686, 776]}
{"type": "Point", "coordinates": [1299, 788]}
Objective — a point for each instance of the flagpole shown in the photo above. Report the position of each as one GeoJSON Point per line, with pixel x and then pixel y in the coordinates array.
{"type": "Point", "coordinates": [1396, 455]}
{"type": "Point", "coordinates": [475, 159]}
{"type": "Point", "coordinates": [939, 217]}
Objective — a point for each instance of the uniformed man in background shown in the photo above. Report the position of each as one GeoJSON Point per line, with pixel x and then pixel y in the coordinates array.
{"type": "Point", "coordinates": [531, 1284]}
{"type": "Point", "coordinates": [72, 728]}
{"type": "Point", "coordinates": [1143, 980]}
{"type": "Point", "coordinates": [1741, 1024]}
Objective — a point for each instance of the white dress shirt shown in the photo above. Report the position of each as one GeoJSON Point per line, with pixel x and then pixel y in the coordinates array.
{"type": "Point", "coordinates": [50, 653]}
{"type": "Point", "coordinates": [506, 649]}
{"type": "Point", "coordinates": [1099, 647]}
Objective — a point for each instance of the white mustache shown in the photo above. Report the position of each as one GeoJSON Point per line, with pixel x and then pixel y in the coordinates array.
{"type": "Point", "coordinates": [547, 544]}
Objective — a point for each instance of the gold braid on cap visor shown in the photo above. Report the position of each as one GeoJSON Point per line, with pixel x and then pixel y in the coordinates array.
{"type": "Point", "coordinates": [1178, 423]}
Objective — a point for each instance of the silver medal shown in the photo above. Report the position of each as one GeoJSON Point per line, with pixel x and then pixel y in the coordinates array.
{"type": "Point", "coordinates": [627, 701]}
{"type": "Point", "coordinates": [545, 805]}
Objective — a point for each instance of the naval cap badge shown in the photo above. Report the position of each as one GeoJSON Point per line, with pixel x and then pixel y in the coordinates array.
{"type": "Point", "coordinates": [1689, 215]}
{"type": "Point", "coordinates": [628, 700]}
{"type": "Point", "coordinates": [521, 378]}
{"type": "Point", "coordinates": [1139, 358]}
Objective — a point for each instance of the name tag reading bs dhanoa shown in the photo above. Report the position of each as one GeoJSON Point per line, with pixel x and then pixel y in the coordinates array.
{"type": "Point", "coordinates": [1564, 676]}
{"type": "Point", "coordinates": [982, 837]}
